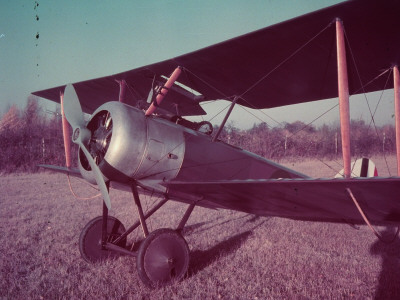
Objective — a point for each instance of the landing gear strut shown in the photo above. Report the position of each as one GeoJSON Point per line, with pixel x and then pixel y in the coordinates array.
{"type": "Point", "coordinates": [163, 256]}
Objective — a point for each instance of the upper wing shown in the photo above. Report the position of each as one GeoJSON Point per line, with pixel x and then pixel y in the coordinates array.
{"type": "Point", "coordinates": [308, 199]}
{"type": "Point", "coordinates": [95, 92]}
{"type": "Point", "coordinates": [287, 63]}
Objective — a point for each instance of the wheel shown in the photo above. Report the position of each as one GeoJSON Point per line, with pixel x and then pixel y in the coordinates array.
{"type": "Point", "coordinates": [90, 239]}
{"type": "Point", "coordinates": [163, 257]}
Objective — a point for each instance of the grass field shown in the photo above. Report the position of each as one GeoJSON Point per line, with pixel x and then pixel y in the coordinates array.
{"type": "Point", "coordinates": [233, 254]}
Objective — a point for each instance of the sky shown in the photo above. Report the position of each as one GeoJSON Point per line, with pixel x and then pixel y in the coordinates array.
{"type": "Point", "coordinates": [50, 43]}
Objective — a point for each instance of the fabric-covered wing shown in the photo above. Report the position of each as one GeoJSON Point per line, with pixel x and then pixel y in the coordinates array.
{"type": "Point", "coordinates": [95, 92]}
{"type": "Point", "coordinates": [295, 61]}
{"type": "Point", "coordinates": [287, 63]}
{"type": "Point", "coordinates": [307, 199]}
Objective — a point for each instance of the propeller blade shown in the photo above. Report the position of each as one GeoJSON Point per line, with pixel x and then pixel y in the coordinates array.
{"type": "Point", "coordinates": [96, 171]}
{"type": "Point", "coordinates": [72, 107]}
{"type": "Point", "coordinates": [73, 113]}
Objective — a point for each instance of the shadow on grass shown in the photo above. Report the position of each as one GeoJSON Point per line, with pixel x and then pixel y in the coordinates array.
{"type": "Point", "coordinates": [389, 278]}
{"type": "Point", "coordinates": [198, 227]}
{"type": "Point", "coordinates": [187, 230]}
{"type": "Point", "coordinates": [255, 218]}
{"type": "Point", "coordinates": [216, 224]}
{"type": "Point", "coordinates": [202, 259]}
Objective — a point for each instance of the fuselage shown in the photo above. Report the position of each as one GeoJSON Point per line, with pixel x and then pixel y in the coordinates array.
{"type": "Point", "coordinates": [152, 150]}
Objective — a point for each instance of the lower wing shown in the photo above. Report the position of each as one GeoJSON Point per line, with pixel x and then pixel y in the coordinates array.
{"type": "Point", "coordinates": [307, 199]}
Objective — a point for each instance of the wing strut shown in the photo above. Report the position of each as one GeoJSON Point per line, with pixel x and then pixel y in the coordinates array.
{"type": "Point", "coordinates": [344, 107]}
{"type": "Point", "coordinates": [396, 83]}
{"type": "Point", "coordinates": [225, 119]}
{"type": "Point", "coordinates": [122, 91]}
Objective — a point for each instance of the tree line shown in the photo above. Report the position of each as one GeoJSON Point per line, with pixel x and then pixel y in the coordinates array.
{"type": "Point", "coordinates": [300, 140]}
{"type": "Point", "coordinates": [30, 136]}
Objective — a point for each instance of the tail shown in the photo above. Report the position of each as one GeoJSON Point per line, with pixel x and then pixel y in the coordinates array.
{"type": "Point", "coordinates": [362, 167]}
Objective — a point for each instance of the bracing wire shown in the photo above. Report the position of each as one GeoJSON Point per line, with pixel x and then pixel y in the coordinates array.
{"type": "Point", "coordinates": [381, 95]}
{"type": "Point", "coordinates": [310, 123]}
{"type": "Point", "coordinates": [224, 96]}
{"type": "Point", "coordinates": [365, 96]}
{"type": "Point", "coordinates": [363, 215]}
{"type": "Point", "coordinates": [285, 60]}
{"type": "Point", "coordinates": [261, 120]}
{"type": "Point", "coordinates": [220, 112]}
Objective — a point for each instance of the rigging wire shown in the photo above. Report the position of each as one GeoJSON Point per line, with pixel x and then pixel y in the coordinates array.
{"type": "Point", "coordinates": [363, 215]}
{"type": "Point", "coordinates": [381, 96]}
{"type": "Point", "coordinates": [285, 60]}
{"type": "Point", "coordinates": [276, 68]}
{"type": "Point", "coordinates": [310, 123]}
{"type": "Point", "coordinates": [220, 112]}
{"type": "Point", "coordinates": [365, 95]}
{"type": "Point", "coordinates": [265, 114]}
{"type": "Point", "coordinates": [226, 97]}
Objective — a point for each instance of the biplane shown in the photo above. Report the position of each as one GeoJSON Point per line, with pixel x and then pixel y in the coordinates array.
{"type": "Point", "coordinates": [138, 139]}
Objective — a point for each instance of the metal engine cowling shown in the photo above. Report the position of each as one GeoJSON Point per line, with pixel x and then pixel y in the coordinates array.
{"type": "Point", "coordinates": [127, 145]}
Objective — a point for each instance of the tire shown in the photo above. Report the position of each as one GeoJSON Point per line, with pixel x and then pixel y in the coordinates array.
{"type": "Point", "coordinates": [163, 258]}
{"type": "Point", "coordinates": [90, 239]}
